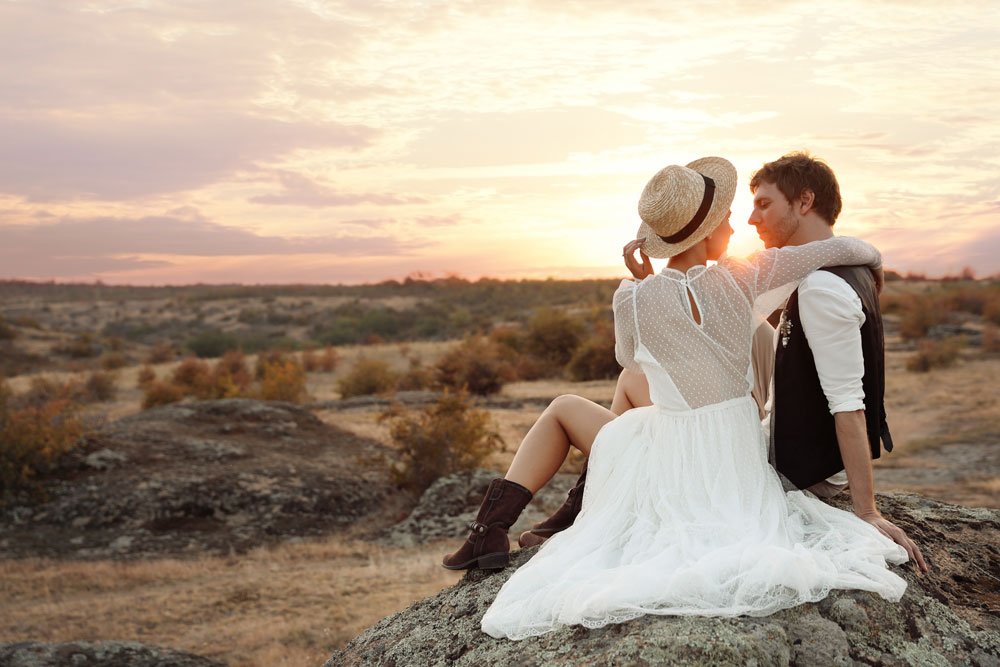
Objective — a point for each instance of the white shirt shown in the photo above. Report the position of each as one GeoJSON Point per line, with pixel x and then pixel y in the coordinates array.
{"type": "Point", "coordinates": [831, 316]}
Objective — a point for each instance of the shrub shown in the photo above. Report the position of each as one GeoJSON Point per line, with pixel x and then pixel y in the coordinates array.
{"type": "Point", "coordinates": [99, 386]}
{"type": "Point", "coordinates": [367, 376]}
{"type": "Point", "coordinates": [82, 347]}
{"type": "Point", "coordinates": [283, 380]}
{"type": "Point", "coordinates": [991, 310]}
{"type": "Point", "coordinates": [161, 393]}
{"type": "Point", "coordinates": [510, 336]}
{"type": "Point", "coordinates": [478, 364]}
{"type": "Point", "coordinates": [33, 437]}
{"type": "Point", "coordinates": [7, 332]}
{"type": "Point", "coordinates": [212, 344]}
{"type": "Point", "coordinates": [553, 336]}
{"type": "Point", "coordinates": [162, 352]}
{"type": "Point", "coordinates": [991, 339]}
{"type": "Point", "coordinates": [935, 354]}
{"type": "Point", "coordinates": [416, 377]}
{"type": "Point", "coordinates": [329, 359]}
{"type": "Point", "coordinates": [595, 358]}
{"type": "Point", "coordinates": [265, 359]}
{"type": "Point", "coordinates": [231, 376]}
{"type": "Point", "coordinates": [113, 360]}
{"type": "Point", "coordinates": [146, 375]}
{"type": "Point", "coordinates": [193, 376]}
{"type": "Point", "coordinates": [449, 436]}
{"type": "Point", "coordinates": [920, 313]}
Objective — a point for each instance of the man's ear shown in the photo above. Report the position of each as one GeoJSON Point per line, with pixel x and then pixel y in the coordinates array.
{"type": "Point", "coordinates": [806, 200]}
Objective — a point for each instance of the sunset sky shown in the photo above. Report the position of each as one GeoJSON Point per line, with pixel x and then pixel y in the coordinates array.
{"type": "Point", "coordinates": [151, 142]}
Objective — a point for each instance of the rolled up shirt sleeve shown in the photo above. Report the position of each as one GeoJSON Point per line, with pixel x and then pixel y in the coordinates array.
{"type": "Point", "coordinates": [831, 317]}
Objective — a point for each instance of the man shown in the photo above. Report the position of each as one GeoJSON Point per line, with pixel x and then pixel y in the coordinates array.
{"type": "Point", "coordinates": [828, 416]}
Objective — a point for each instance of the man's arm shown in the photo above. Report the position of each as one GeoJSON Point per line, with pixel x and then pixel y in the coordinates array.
{"type": "Point", "coordinates": [852, 438]}
{"type": "Point", "coordinates": [831, 317]}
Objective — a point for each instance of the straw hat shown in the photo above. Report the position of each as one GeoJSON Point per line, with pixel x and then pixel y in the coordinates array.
{"type": "Point", "coordinates": [680, 206]}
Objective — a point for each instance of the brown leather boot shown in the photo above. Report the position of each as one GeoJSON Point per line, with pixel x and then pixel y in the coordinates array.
{"type": "Point", "coordinates": [562, 519]}
{"type": "Point", "coordinates": [487, 546]}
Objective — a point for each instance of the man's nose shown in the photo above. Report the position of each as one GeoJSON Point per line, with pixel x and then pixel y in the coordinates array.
{"type": "Point", "coordinates": [754, 219]}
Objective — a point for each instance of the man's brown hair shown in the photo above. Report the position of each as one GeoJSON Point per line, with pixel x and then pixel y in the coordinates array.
{"type": "Point", "coordinates": [797, 172]}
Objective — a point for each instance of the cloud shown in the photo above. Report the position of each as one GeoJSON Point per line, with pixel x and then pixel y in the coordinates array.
{"type": "Point", "coordinates": [300, 190]}
{"type": "Point", "coordinates": [464, 139]}
{"type": "Point", "coordinates": [114, 101]}
{"type": "Point", "coordinates": [47, 159]}
{"type": "Point", "coordinates": [74, 246]}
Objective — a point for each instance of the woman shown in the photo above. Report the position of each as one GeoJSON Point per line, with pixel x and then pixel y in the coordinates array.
{"type": "Point", "coordinates": [681, 512]}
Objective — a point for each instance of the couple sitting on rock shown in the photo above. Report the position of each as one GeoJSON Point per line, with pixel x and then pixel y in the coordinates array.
{"type": "Point", "coordinates": [679, 510]}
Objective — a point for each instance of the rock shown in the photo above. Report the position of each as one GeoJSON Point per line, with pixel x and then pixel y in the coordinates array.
{"type": "Point", "coordinates": [98, 654]}
{"type": "Point", "coordinates": [448, 506]}
{"type": "Point", "coordinates": [950, 616]}
{"type": "Point", "coordinates": [104, 459]}
{"type": "Point", "coordinates": [220, 474]}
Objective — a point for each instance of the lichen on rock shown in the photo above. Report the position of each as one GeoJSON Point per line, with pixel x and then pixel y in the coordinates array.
{"type": "Point", "coordinates": [950, 616]}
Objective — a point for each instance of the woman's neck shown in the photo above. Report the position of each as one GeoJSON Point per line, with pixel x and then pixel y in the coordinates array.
{"type": "Point", "coordinates": [693, 256]}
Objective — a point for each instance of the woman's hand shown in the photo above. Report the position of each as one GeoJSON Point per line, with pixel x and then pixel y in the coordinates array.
{"type": "Point", "coordinates": [638, 270]}
{"type": "Point", "coordinates": [879, 275]}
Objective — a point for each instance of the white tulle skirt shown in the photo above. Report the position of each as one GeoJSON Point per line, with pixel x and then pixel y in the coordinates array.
{"type": "Point", "coordinates": [683, 515]}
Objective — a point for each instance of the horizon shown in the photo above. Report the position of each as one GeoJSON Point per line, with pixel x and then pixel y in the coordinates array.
{"type": "Point", "coordinates": [309, 142]}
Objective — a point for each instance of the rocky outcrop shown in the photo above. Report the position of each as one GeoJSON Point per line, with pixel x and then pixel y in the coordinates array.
{"type": "Point", "coordinates": [950, 616]}
{"type": "Point", "coordinates": [98, 654]}
{"type": "Point", "coordinates": [215, 476]}
{"type": "Point", "coordinates": [448, 506]}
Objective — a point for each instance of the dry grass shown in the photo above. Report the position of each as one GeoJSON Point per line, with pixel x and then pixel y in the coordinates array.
{"type": "Point", "coordinates": [289, 605]}
{"type": "Point", "coordinates": [944, 406]}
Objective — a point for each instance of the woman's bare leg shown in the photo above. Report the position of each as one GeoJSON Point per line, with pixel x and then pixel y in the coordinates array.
{"type": "Point", "coordinates": [632, 391]}
{"type": "Point", "coordinates": [569, 421]}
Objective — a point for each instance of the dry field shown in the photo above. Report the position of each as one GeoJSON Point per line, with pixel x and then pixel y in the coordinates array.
{"type": "Point", "coordinates": [288, 606]}
{"type": "Point", "coordinates": [295, 603]}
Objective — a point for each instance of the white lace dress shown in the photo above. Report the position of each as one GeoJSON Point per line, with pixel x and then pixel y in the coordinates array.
{"type": "Point", "coordinates": [682, 514]}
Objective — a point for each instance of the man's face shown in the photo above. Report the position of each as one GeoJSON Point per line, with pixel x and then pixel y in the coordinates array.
{"type": "Point", "coordinates": [773, 216]}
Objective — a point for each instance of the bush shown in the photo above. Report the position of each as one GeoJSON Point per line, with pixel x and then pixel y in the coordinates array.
{"type": "Point", "coordinates": [113, 360]}
{"type": "Point", "coordinates": [283, 380]}
{"type": "Point", "coordinates": [367, 376]}
{"type": "Point", "coordinates": [479, 364]}
{"type": "Point", "coordinates": [82, 347]}
{"type": "Point", "coordinates": [212, 344]}
{"type": "Point", "coordinates": [162, 352]}
{"type": "Point", "coordinates": [231, 376]}
{"type": "Point", "coordinates": [935, 354]}
{"type": "Point", "coordinates": [7, 332]}
{"type": "Point", "coordinates": [33, 437]}
{"type": "Point", "coordinates": [161, 393]}
{"type": "Point", "coordinates": [553, 336]}
{"type": "Point", "coordinates": [595, 358]}
{"type": "Point", "coordinates": [416, 377]}
{"type": "Point", "coordinates": [919, 314]}
{"type": "Point", "coordinates": [146, 375]}
{"type": "Point", "coordinates": [267, 358]}
{"type": "Point", "coordinates": [194, 377]}
{"type": "Point", "coordinates": [991, 339]}
{"type": "Point", "coordinates": [447, 437]}
{"type": "Point", "coordinates": [325, 362]}
{"type": "Point", "coordinates": [98, 387]}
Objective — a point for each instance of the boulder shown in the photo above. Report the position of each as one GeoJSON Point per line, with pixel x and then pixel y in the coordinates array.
{"type": "Point", "coordinates": [448, 506]}
{"type": "Point", "coordinates": [950, 616]}
{"type": "Point", "coordinates": [98, 654]}
{"type": "Point", "coordinates": [209, 476]}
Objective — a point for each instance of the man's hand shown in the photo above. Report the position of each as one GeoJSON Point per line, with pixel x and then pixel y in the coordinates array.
{"type": "Point", "coordinates": [638, 270]}
{"type": "Point", "coordinates": [897, 535]}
